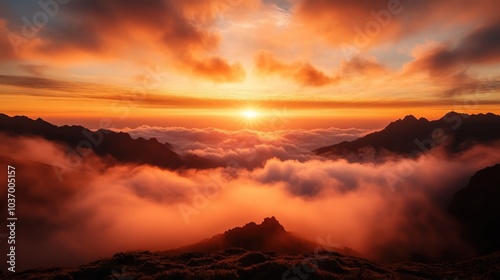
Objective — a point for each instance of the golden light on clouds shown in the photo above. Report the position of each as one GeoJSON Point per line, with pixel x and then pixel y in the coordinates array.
{"type": "Point", "coordinates": [214, 105]}
{"type": "Point", "coordinates": [191, 57]}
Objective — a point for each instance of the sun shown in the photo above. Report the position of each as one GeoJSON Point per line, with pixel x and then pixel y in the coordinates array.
{"type": "Point", "coordinates": [250, 113]}
{"type": "Point", "coordinates": [251, 117]}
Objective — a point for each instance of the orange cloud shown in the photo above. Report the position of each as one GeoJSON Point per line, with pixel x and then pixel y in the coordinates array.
{"type": "Point", "coordinates": [7, 52]}
{"type": "Point", "coordinates": [301, 72]}
{"type": "Point", "coordinates": [218, 70]}
{"type": "Point", "coordinates": [178, 32]}
{"type": "Point", "coordinates": [368, 22]}
{"type": "Point", "coordinates": [480, 46]}
{"type": "Point", "coordinates": [306, 74]}
{"type": "Point", "coordinates": [448, 64]}
{"type": "Point", "coordinates": [362, 66]}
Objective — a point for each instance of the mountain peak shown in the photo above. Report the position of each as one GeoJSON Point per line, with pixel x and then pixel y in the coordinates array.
{"type": "Point", "coordinates": [269, 235]}
{"type": "Point", "coordinates": [273, 224]}
{"type": "Point", "coordinates": [270, 226]}
{"type": "Point", "coordinates": [454, 114]}
{"type": "Point", "coordinates": [409, 118]}
{"type": "Point", "coordinates": [405, 122]}
{"type": "Point", "coordinates": [270, 221]}
{"type": "Point", "coordinates": [413, 119]}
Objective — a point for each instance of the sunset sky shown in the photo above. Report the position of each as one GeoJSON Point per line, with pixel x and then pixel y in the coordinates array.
{"type": "Point", "coordinates": [257, 64]}
{"type": "Point", "coordinates": [224, 112]}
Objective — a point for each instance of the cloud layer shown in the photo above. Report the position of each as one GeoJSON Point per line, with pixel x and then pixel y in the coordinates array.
{"type": "Point", "coordinates": [246, 148]}
{"type": "Point", "coordinates": [100, 208]}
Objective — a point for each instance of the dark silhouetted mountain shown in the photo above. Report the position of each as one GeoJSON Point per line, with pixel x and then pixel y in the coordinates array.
{"type": "Point", "coordinates": [477, 208]}
{"type": "Point", "coordinates": [118, 145]}
{"type": "Point", "coordinates": [411, 137]}
{"type": "Point", "coordinates": [270, 235]}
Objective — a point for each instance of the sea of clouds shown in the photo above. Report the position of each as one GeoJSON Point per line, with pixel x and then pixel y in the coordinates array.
{"type": "Point", "coordinates": [101, 207]}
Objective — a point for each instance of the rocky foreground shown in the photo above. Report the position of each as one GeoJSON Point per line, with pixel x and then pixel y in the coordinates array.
{"type": "Point", "coordinates": [262, 251]}
{"type": "Point", "coordinates": [236, 263]}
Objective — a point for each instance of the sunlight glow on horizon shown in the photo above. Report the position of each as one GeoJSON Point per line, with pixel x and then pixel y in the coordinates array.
{"type": "Point", "coordinates": [258, 66]}
{"type": "Point", "coordinates": [250, 114]}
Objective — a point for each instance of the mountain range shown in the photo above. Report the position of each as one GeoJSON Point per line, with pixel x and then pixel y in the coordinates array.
{"type": "Point", "coordinates": [410, 137]}
{"type": "Point", "coordinates": [407, 137]}
{"type": "Point", "coordinates": [78, 139]}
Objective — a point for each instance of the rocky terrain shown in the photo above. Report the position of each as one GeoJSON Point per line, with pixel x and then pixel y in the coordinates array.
{"type": "Point", "coordinates": [217, 258]}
